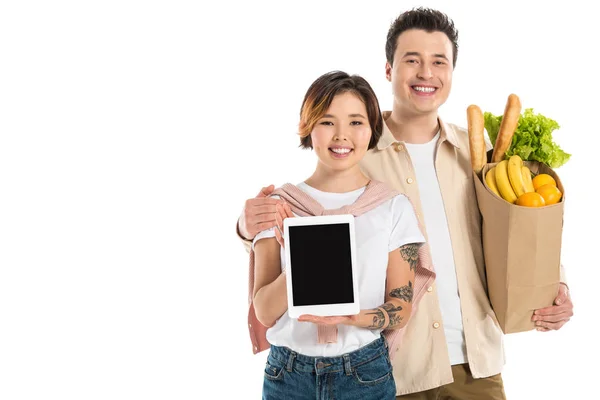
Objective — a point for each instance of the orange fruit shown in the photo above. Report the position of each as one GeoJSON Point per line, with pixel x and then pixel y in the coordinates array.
{"type": "Point", "coordinates": [531, 199]}
{"type": "Point", "coordinates": [541, 180]}
{"type": "Point", "coordinates": [550, 193]}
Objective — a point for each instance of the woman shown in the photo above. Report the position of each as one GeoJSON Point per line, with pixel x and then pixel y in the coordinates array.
{"type": "Point", "coordinates": [339, 357]}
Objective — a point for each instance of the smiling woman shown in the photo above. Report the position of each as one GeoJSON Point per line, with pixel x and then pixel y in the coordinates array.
{"type": "Point", "coordinates": [322, 93]}
{"type": "Point", "coordinates": [341, 137]}
{"type": "Point", "coordinates": [340, 120]}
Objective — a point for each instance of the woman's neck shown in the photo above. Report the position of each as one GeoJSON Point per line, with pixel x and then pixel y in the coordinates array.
{"type": "Point", "coordinates": [328, 180]}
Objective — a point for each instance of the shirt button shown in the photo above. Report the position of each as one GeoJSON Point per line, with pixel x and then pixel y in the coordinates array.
{"type": "Point", "coordinates": [436, 325]}
{"type": "Point", "coordinates": [250, 326]}
{"type": "Point", "coordinates": [255, 348]}
{"type": "Point", "coordinates": [430, 288]}
{"type": "Point", "coordinates": [399, 147]}
{"type": "Point", "coordinates": [409, 180]}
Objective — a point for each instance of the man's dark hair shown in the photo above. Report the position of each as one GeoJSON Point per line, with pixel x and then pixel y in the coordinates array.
{"type": "Point", "coordinates": [426, 19]}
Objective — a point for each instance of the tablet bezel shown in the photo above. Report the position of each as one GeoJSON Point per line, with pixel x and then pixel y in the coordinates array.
{"type": "Point", "coordinates": [322, 309]}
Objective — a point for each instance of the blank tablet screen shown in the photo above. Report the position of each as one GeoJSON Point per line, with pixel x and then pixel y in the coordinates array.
{"type": "Point", "coordinates": [322, 264]}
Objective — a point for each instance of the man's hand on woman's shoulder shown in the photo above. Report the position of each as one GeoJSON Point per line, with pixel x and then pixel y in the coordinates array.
{"type": "Point", "coordinates": [259, 214]}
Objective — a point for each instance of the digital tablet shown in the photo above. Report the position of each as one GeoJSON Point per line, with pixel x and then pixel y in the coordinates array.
{"type": "Point", "coordinates": [321, 270]}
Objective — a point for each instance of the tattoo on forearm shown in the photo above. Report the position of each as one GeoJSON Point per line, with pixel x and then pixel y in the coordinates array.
{"type": "Point", "coordinates": [395, 319]}
{"type": "Point", "coordinates": [410, 254]}
{"type": "Point", "coordinates": [403, 293]}
{"type": "Point", "coordinates": [389, 307]}
{"type": "Point", "coordinates": [378, 319]}
{"type": "Point", "coordinates": [393, 311]}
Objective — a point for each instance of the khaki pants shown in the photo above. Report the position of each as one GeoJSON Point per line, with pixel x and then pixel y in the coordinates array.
{"type": "Point", "coordinates": [464, 387]}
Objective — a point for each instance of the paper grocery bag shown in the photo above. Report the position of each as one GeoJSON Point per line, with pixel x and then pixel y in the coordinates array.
{"type": "Point", "coordinates": [521, 248]}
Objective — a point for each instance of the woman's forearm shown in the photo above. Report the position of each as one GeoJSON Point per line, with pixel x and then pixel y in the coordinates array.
{"type": "Point", "coordinates": [393, 314]}
{"type": "Point", "coordinates": [270, 301]}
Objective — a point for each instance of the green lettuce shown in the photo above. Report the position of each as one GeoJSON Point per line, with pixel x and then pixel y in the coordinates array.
{"type": "Point", "coordinates": [532, 140]}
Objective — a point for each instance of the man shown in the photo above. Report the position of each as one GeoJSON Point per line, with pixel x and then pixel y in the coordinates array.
{"type": "Point", "coordinates": [452, 347]}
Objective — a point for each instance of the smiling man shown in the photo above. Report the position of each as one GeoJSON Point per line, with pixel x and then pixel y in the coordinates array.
{"type": "Point", "coordinates": [452, 348]}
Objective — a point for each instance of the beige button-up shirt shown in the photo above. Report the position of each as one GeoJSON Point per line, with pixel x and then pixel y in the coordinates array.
{"type": "Point", "coordinates": [422, 361]}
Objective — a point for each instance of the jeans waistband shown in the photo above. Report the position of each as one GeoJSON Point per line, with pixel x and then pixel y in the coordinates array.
{"type": "Point", "coordinates": [322, 365]}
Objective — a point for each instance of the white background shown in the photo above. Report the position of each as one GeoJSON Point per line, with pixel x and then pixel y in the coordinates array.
{"type": "Point", "coordinates": [132, 132]}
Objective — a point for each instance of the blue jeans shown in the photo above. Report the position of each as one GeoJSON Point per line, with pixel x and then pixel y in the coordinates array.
{"type": "Point", "coordinates": [363, 374]}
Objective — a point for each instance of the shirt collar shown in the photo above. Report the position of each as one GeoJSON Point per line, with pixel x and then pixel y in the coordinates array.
{"type": "Point", "coordinates": [387, 138]}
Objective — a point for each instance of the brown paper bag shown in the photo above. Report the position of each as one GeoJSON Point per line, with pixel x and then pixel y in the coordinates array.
{"type": "Point", "coordinates": [521, 247]}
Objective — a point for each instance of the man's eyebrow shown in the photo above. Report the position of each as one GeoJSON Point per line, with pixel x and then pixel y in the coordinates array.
{"type": "Point", "coordinates": [416, 53]}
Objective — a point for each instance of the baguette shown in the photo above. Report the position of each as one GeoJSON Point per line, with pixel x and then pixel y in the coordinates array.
{"type": "Point", "coordinates": [476, 143]}
{"type": "Point", "coordinates": [508, 125]}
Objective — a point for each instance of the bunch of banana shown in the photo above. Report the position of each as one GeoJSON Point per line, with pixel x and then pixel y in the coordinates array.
{"type": "Point", "coordinates": [509, 179]}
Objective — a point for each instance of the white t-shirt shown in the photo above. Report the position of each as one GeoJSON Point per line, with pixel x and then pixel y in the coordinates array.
{"type": "Point", "coordinates": [438, 235]}
{"type": "Point", "coordinates": [378, 231]}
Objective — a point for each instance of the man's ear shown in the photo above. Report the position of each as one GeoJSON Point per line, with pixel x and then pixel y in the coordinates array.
{"type": "Point", "coordinates": [388, 71]}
